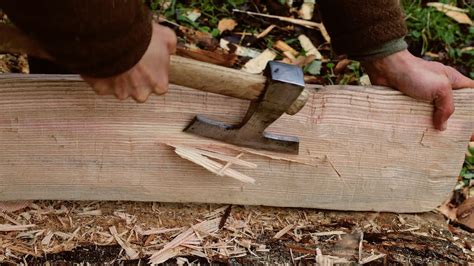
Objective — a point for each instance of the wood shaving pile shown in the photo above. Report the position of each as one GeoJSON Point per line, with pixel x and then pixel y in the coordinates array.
{"type": "Point", "coordinates": [157, 232]}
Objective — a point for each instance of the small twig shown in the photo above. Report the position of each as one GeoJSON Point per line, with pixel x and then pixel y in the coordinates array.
{"type": "Point", "coordinates": [301, 22]}
{"type": "Point", "coordinates": [292, 257]}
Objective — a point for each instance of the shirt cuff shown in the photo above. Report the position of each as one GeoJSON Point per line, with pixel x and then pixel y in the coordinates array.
{"type": "Point", "coordinates": [384, 50]}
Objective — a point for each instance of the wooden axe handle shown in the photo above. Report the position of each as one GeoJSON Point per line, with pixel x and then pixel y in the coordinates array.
{"type": "Point", "coordinates": [185, 72]}
{"type": "Point", "coordinates": [216, 79]}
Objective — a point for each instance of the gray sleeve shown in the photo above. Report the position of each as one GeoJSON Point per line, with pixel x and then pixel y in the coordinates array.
{"type": "Point", "coordinates": [383, 50]}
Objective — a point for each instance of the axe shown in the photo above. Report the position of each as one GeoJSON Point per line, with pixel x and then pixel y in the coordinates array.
{"type": "Point", "coordinates": [280, 90]}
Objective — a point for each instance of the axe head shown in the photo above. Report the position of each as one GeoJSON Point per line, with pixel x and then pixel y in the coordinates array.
{"type": "Point", "coordinates": [284, 85]}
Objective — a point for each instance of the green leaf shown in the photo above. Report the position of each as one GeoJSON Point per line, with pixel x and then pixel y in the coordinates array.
{"type": "Point", "coordinates": [468, 176]}
{"type": "Point", "coordinates": [314, 68]}
{"type": "Point", "coordinates": [205, 29]}
{"type": "Point", "coordinates": [215, 32]}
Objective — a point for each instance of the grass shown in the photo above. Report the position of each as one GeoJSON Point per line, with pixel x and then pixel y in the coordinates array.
{"type": "Point", "coordinates": [211, 11]}
{"type": "Point", "coordinates": [432, 31]}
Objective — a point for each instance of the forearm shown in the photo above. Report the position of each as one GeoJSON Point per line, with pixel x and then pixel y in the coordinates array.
{"type": "Point", "coordinates": [91, 37]}
{"type": "Point", "coordinates": [364, 29]}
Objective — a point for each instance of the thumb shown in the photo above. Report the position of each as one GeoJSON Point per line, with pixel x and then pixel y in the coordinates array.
{"type": "Point", "coordinates": [444, 108]}
{"type": "Point", "coordinates": [458, 81]}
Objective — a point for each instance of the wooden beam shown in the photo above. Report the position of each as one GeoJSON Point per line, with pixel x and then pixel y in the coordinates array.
{"type": "Point", "coordinates": [361, 148]}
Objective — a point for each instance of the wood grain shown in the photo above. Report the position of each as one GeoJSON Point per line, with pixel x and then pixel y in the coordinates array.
{"type": "Point", "coordinates": [361, 148]}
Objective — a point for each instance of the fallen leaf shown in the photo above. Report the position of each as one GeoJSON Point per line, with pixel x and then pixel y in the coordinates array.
{"type": "Point", "coordinates": [341, 66]}
{"type": "Point", "coordinates": [458, 14]}
{"type": "Point", "coordinates": [314, 68]}
{"type": "Point", "coordinates": [447, 210]}
{"type": "Point", "coordinates": [226, 24]}
{"type": "Point", "coordinates": [465, 213]}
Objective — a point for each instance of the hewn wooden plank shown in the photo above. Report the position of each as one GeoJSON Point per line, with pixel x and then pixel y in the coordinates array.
{"type": "Point", "coordinates": [361, 148]}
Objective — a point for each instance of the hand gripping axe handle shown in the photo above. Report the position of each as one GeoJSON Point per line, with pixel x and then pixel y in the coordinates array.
{"type": "Point", "coordinates": [279, 91]}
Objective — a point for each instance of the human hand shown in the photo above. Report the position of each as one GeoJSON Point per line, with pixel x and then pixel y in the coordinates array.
{"type": "Point", "coordinates": [149, 75]}
{"type": "Point", "coordinates": [420, 79]}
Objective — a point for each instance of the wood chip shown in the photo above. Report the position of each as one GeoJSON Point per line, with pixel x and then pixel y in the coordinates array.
{"type": "Point", "coordinates": [307, 9]}
{"type": "Point", "coordinates": [330, 233]}
{"type": "Point", "coordinates": [131, 253]}
{"type": "Point", "coordinates": [13, 206]}
{"type": "Point", "coordinates": [284, 47]}
{"type": "Point", "coordinates": [308, 47]}
{"type": "Point", "coordinates": [238, 50]}
{"type": "Point", "coordinates": [47, 239]}
{"type": "Point", "coordinates": [156, 231]}
{"type": "Point", "coordinates": [258, 64]}
{"type": "Point", "coordinates": [10, 228]}
{"type": "Point", "coordinates": [174, 247]}
{"type": "Point", "coordinates": [128, 218]}
{"type": "Point", "coordinates": [197, 157]}
{"type": "Point", "coordinates": [371, 258]}
{"type": "Point", "coordinates": [326, 260]}
{"type": "Point", "coordinates": [365, 80]}
{"type": "Point", "coordinates": [90, 213]}
{"type": "Point", "coordinates": [283, 231]}
{"type": "Point", "coordinates": [410, 229]}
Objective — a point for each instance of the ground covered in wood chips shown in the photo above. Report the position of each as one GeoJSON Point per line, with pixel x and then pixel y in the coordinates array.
{"type": "Point", "coordinates": [47, 231]}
